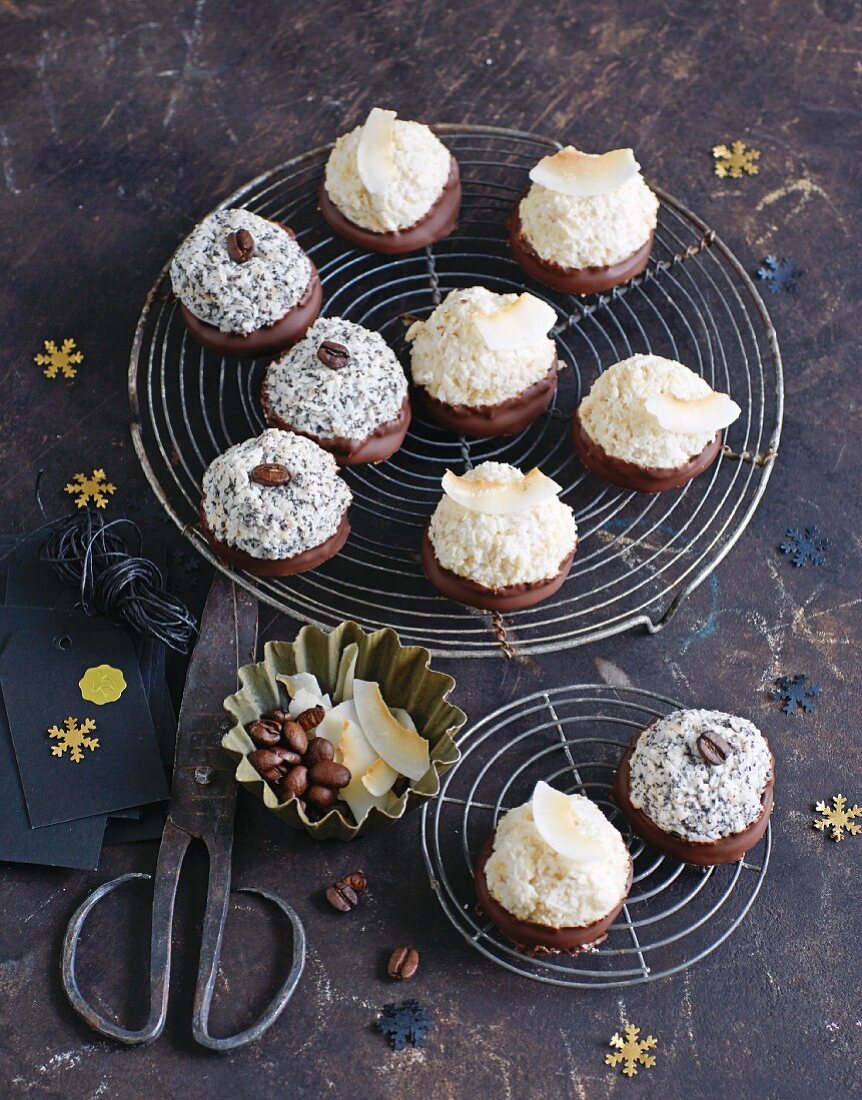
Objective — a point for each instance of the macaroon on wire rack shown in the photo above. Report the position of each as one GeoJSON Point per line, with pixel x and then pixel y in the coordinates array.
{"type": "Point", "coordinates": [573, 738]}
{"type": "Point", "coordinates": [638, 556]}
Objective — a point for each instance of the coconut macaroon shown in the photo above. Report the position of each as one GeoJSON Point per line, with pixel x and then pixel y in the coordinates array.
{"type": "Point", "coordinates": [651, 424]}
{"type": "Point", "coordinates": [275, 505]}
{"type": "Point", "coordinates": [390, 185]}
{"type": "Point", "coordinates": [499, 539]}
{"type": "Point", "coordinates": [555, 873]}
{"type": "Point", "coordinates": [483, 363]}
{"type": "Point", "coordinates": [245, 286]}
{"type": "Point", "coordinates": [698, 785]}
{"type": "Point", "coordinates": [343, 387]}
{"type": "Point", "coordinates": [587, 222]}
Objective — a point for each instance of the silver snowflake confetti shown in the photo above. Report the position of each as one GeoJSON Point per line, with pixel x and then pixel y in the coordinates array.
{"type": "Point", "coordinates": [804, 546]}
{"type": "Point", "coordinates": [405, 1023]}
{"type": "Point", "coordinates": [780, 274]}
{"type": "Point", "coordinates": [796, 694]}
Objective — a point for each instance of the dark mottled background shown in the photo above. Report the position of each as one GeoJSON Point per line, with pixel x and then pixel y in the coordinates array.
{"type": "Point", "coordinates": [120, 124]}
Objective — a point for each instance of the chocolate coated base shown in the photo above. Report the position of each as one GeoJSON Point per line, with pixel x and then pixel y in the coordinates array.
{"type": "Point", "coordinates": [642, 479]}
{"type": "Point", "coordinates": [278, 567]}
{"type": "Point", "coordinates": [439, 222]}
{"type": "Point", "coordinates": [488, 421]}
{"type": "Point", "coordinates": [536, 939]}
{"type": "Point", "coordinates": [383, 442]}
{"type": "Point", "coordinates": [575, 280]}
{"type": "Point", "coordinates": [703, 853]}
{"type": "Point", "coordinates": [269, 340]}
{"type": "Point", "coordinates": [511, 597]}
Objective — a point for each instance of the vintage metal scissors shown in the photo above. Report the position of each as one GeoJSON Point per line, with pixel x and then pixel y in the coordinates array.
{"type": "Point", "coordinates": [203, 798]}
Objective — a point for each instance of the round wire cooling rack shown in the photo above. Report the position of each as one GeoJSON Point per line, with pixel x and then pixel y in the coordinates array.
{"type": "Point", "coordinates": [573, 737]}
{"type": "Point", "coordinates": [638, 556]}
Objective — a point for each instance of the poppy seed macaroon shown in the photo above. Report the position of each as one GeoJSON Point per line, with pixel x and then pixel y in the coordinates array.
{"type": "Point", "coordinates": [343, 387]}
{"type": "Point", "coordinates": [697, 785]}
{"type": "Point", "coordinates": [245, 285]}
{"type": "Point", "coordinates": [275, 505]}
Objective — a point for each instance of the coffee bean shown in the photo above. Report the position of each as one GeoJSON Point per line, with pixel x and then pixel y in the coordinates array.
{"type": "Point", "coordinates": [240, 246]}
{"type": "Point", "coordinates": [311, 718]}
{"type": "Point", "coordinates": [319, 749]}
{"type": "Point", "coordinates": [294, 784]}
{"type": "Point", "coordinates": [327, 773]}
{"type": "Point", "coordinates": [345, 811]}
{"type": "Point", "coordinates": [272, 763]}
{"type": "Point", "coordinates": [321, 797]}
{"type": "Point", "coordinates": [357, 880]}
{"type": "Point", "coordinates": [713, 748]}
{"type": "Point", "coordinates": [279, 716]}
{"type": "Point", "coordinates": [270, 474]}
{"type": "Point", "coordinates": [403, 963]}
{"type": "Point", "coordinates": [341, 897]}
{"type": "Point", "coordinates": [294, 735]}
{"type": "Point", "coordinates": [264, 732]}
{"type": "Point", "coordinates": [333, 355]}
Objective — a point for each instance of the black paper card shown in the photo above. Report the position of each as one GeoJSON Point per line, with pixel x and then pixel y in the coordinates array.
{"type": "Point", "coordinates": [85, 744]}
{"type": "Point", "coordinates": [75, 844]}
{"type": "Point", "coordinates": [33, 583]}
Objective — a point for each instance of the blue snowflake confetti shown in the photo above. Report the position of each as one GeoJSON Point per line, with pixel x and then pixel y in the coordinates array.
{"type": "Point", "coordinates": [805, 546]}
{"type": "Point", "coordinates": [405, 1023]}
{"type": "Point", "coordinates": [796, 694]}
{"type": "Point", "coordinates": [780, 274]}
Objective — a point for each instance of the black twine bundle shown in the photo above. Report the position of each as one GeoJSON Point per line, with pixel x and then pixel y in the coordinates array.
{"type": "Point", "coordinates": [114, 582]}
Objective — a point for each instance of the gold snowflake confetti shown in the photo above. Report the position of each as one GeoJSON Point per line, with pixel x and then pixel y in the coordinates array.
{"type": "Point", "coordinates": [735, 160]}
{"type": "Point", "coordinates": [836, 818]}
{"type": "Point", "coordinates": [72, 737]}
{"type": "Point", "coordinates": [88, 488]}
{"type": "Point", "coordinates": [631, 1051]}
{"type": "Point", "coordinates": [59, 360]}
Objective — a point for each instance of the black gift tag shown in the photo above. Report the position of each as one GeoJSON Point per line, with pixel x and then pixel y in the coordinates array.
{"type": "Point", "coordinates": [75, 844]}
{"type": "Point", "coordinates": [33, 583]}
{"type": "Point", "coordinates": [80, 722]}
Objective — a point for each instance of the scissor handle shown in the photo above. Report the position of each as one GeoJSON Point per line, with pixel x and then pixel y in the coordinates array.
{"type": "Point", "coordinates": [171, 853]}
{"type": "Point", "coordinates": [211, 941]}
{"type": "Point", "coordinates": [175, 842]}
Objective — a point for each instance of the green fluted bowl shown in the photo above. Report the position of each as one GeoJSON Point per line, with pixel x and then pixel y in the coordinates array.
{"type": "Point", "coordinates": [406, 680]}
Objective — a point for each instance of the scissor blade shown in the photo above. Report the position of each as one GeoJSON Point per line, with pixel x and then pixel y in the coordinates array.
{"type": "Point", "coordinates": [204, 805]}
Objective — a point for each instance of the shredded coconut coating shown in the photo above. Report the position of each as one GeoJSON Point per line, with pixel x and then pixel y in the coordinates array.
{"type": "Point", "coordinates": [533, 882]}
{"type": "Point", "coordinates": [274, 521]}
{"type": "Point", "coordinates": [454, 364]}
{"type": "Point", "coordinates": [614, 412]}
{"type": "Point", "coordinates": [499, 551]}
{"type": "Point", "coordinates": [682, 794]}
{"type": "Point", "coordinates": [422, 166]}
{"type": "Point", "coordinates": [239, 297]}
{"type": "Point", "coordinates": [588, 232]}
{"type": "Point", "coordinates": [348, 403]}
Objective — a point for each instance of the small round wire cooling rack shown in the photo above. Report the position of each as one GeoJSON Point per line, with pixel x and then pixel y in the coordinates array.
{"type": "Point", "coordinates": [639, 555]}
{"type": "Point", "coordinates": [573, 738]}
